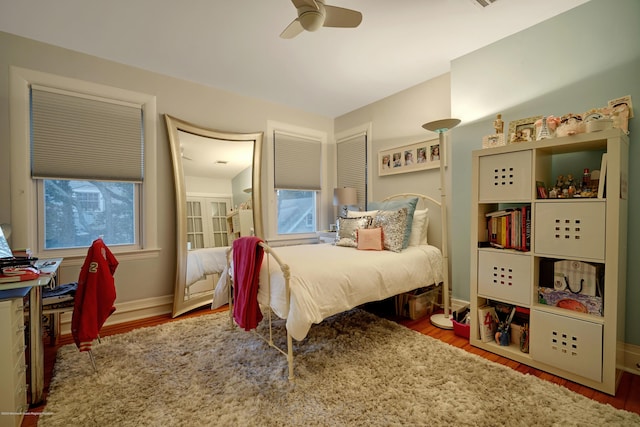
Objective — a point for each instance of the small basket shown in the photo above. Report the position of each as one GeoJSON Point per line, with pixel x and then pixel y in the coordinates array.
{"type": "Point", "coordinates": [461, 329]}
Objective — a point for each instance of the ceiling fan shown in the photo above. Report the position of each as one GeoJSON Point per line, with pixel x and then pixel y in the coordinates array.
{"type": "Point", "coordinates": [314, 14]}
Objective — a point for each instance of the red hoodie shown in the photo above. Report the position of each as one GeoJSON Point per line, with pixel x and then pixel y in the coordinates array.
{"type": "Point", "coordinates": [95, 296]}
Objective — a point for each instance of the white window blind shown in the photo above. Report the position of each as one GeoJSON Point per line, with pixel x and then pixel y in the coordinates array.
{"type": "Point", "coordinates": [297, 162]}
{"type": "Point", "coordinates": [352, 165]}
{"type": "Point", "coordinates": [75, 136]}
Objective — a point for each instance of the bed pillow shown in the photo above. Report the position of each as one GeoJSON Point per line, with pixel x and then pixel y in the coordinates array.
{"type": "Point", "coordinates": [394, 205]}
{"type": "Point", "coordinates": [419, 227]}
{"type": "Point", "coordinates": [357, 214]}
{"type": "Point", "coordinates": [393, 225]}
{"type": "Point", "coordinates": [346, 233]}
{"type": "Point", "coordinates": [370, 239]}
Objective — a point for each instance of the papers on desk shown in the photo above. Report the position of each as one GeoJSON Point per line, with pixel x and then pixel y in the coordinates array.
{"type": "Point", "coordinates": [48, 266]}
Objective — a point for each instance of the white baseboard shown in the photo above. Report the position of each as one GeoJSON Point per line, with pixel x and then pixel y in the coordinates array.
{"type": "Point", "coordinates": [632, 358]}
{"type": "Point", "coordinates": [128, 311]}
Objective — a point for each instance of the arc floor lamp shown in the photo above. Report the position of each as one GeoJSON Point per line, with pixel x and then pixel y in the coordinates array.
{"type": "Point", "coordinates": [443, 320]}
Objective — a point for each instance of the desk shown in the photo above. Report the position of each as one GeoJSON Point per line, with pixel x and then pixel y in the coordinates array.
{"type": "Point", "coordinates": [48, 271]}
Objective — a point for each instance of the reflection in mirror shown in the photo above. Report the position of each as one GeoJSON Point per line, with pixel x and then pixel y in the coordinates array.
{"type": "Point", "coordinates": [217, 183]}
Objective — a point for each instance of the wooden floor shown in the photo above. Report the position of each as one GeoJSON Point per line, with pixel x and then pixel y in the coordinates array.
{"type": "Point", "coordinates": [628, 396]}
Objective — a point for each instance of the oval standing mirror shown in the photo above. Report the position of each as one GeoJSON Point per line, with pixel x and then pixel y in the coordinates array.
{"type": "Point", "coordinates": [217, 184]}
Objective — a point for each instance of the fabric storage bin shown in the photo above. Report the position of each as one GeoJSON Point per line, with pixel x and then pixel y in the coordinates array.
{"type": "Point", "coordinates": [575, 228]}
{"type": "Point", "coordinates": [505, 177]}
{"type": "Point", "coordinates": [567, 343]}
{"type": "Point", "coordinates": [504, 276]}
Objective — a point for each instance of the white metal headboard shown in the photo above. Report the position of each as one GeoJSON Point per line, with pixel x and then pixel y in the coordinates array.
{"type": "Point", "coordinates": [434, 232]}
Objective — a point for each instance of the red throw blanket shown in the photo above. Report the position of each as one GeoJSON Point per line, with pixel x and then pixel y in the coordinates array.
{"type": "Point", "coordinates": [247, 259]}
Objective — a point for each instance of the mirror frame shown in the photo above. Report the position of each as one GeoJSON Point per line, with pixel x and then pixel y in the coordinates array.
{"type": "Point", "coordinates": [174, 125]}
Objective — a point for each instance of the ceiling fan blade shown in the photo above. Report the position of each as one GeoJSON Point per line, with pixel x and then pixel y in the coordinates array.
{"type": "Point", "coordinates": [302, 3]}
{"type": "Point", "coordinates": [341, 17]}
{"type": "Point", "coordinates": [292, 30]}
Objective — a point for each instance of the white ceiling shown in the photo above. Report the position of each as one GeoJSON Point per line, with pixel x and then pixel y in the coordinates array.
{"type": "Point", "coordinates": [235, 44]}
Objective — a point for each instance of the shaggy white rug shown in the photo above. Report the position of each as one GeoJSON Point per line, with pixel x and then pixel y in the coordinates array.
{"type": "Point", "coordinates": [354, 369]}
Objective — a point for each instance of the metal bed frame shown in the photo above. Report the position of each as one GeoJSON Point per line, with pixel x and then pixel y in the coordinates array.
{"type": "Point", "coordinates": [269, 252]}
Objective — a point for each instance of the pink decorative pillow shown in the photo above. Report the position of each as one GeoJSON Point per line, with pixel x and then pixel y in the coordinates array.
{"type": "Point", "coordinates": [370, 239]}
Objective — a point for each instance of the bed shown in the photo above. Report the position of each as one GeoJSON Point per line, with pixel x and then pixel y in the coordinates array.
{"type": "Point", "coordinates": [204, 262]}
{"type": "Point", "coordinates": [306, 284]}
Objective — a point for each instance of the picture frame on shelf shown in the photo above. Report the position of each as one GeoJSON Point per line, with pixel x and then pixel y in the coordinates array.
{"type": "Point", "coordinates": [495, 140]}
{"type": "Point", "coordinates": [523, 130]}
{"type": "Point", "coordinates": [409, 158]}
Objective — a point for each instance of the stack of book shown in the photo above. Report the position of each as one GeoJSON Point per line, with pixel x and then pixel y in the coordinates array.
{"type": "Point", "coordinates": [510, 228]}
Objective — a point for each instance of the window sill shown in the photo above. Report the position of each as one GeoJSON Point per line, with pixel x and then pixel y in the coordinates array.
{"type": "Point", "coordinates": [73, 260]}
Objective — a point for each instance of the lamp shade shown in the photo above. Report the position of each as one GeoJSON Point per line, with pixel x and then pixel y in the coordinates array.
{"type": "Point", "coordinates": [345, 196]}
{"type": "Point", "coordinates": [440, 126]}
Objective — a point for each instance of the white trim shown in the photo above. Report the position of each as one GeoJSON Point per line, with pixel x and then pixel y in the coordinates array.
{"type": "Point", "coordinates": [128, 311]}
{"type": "Point", "coordinates": [23, 188]}
{"type": "Point", "coordinates": [632, 358]}
{"type": "Point", "coordinates": [124, 255]}
{"type": "Point", "coordinates": [271, 228]}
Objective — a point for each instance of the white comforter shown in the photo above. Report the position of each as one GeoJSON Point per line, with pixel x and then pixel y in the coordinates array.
{"type": "Point", "coordinates": [201, 262]}
{"type": "Point", "coordinates": [328, 279]}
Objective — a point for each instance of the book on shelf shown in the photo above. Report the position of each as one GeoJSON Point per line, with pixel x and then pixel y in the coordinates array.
{"type": "Point", "coordinates": [510, 228]}
{"type": "Point", "coordinates": [488, 321]}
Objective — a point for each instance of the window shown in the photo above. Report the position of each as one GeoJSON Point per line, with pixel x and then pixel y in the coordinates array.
{"type": "Point", "coordinates": [92, 157]}
{"type": "Point", "coordinates": [76, 212]}
{"type": "Point", "coordinates": [207, 222]}
{"type": "Point", "coordinates": [78, 136]}
{"type": "Point", "coordinates": [296, 211]}
{"type": "Point", "coordinates": [352, 154]}
{"type": "Point", "coordinates": [297, 181]}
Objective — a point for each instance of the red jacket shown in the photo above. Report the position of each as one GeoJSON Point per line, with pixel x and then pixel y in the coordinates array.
{"type": "Point", "coordinates": [93, 302]}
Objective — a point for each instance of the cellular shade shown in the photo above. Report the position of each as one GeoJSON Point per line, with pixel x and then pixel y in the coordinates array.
{"type": "Point", "coordinates": [297, 162]}
{"type": "Point", "coordinates": [76, 136]}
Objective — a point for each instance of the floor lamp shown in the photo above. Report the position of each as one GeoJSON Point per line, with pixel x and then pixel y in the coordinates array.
{"type": "Point", "coordinates": [443, 320]}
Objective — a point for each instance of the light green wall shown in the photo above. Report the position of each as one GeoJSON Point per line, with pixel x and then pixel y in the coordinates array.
{"type": "Point", "coordinates": [571, 63]}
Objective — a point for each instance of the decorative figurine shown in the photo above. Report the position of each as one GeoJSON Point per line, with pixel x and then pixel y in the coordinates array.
{"type": "Point", "coordinates": [498, 124]}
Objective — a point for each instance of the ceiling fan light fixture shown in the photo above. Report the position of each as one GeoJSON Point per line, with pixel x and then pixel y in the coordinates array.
{"type": "Point", "coordinates": [312, 20]}
{"type": "Point", "coordinates": [315, 14]}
